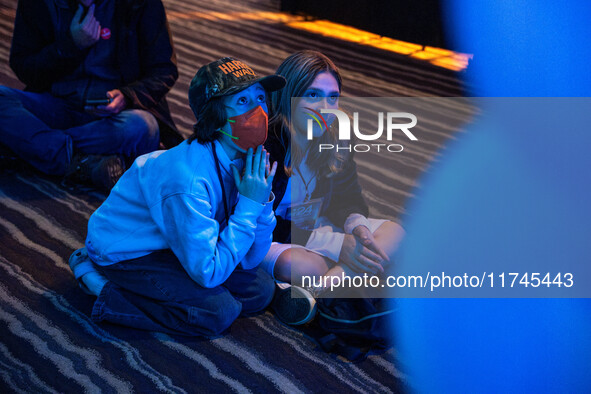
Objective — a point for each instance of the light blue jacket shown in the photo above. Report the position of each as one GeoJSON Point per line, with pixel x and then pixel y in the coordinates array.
{"type": "Point", "coordinates": [173, 200]}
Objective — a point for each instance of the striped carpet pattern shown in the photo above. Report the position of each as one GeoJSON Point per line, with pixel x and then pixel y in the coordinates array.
{"type": "Point", "coordinates": [47, 341]}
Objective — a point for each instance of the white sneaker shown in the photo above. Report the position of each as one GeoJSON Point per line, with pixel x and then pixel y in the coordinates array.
{"type": "Point", "coordinates": [293, 304]}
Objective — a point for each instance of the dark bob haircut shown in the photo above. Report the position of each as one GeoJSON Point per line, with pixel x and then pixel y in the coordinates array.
{"type": "Point", "coordinates": [212, 117]}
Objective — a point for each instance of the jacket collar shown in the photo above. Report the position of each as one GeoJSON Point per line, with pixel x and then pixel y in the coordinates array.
{"type": "Point", "coordinates": [224, 160]}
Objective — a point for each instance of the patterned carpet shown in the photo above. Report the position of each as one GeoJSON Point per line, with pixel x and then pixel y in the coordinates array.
{"type": "Point", "coordinates": [47, 341]}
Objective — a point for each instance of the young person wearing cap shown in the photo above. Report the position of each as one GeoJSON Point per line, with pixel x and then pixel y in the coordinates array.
{"type": "Point", "coordinates": [341, 239]}
{"type": "Point", "coordinates": [177, 244]}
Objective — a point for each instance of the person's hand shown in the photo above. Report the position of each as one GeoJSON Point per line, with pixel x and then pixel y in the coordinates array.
{"type": "Point", "coordinates": [359, 257]}
{"type": "Point", "coordinates": [257, 179]}
{"type": "Point", "coordinates": [268, 169]}
{"type": "Point", "coordinates": [116, 105]}
{"type": "Point", "coordinates": [365, 236]}
{"type": "Point", "coordinates": [85, 32]}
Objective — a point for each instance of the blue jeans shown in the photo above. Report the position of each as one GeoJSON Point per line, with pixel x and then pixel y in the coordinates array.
{"type": "Point", "coordinates": [155, 293]}
{"type": "Point", "coordinates": [43, 130]}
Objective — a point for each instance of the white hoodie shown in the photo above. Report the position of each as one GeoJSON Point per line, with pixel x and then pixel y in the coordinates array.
{"type": "Point", "coordinates": [173, 200]}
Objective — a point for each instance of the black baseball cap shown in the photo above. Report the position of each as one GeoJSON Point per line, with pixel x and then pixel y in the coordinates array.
{"type": "Point", "coordinates": [224, 77]}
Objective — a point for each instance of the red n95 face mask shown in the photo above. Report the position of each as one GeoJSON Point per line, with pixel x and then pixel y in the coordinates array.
{"type": "Point", "coordinates": [249, 130]}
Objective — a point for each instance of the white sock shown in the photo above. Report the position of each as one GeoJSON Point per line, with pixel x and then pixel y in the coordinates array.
{"type": "Point", "coordinates": [95, 282]}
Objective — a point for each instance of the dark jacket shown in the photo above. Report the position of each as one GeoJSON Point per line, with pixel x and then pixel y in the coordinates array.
{"type": "Point", "coordinates": [40, 55]}
{"type": "Point", "coordinates": [341, 193]}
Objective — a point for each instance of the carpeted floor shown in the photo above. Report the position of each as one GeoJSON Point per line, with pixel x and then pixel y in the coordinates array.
{"type": "Point", "coordinates": [47, 341]}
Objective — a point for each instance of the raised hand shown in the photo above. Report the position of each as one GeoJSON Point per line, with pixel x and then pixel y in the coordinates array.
{"type": "Point", "coordinates": [268, 170]}
{"type": "Point", "coordinates": [257, 179]}
{"type": "Point", "coordinates": [85, 32]}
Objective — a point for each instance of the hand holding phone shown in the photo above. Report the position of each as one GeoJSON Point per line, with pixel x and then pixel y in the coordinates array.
{"type": "Point", "coordinates": [97, 102]}
{"type": "Point", "coordinates": [111, 105]}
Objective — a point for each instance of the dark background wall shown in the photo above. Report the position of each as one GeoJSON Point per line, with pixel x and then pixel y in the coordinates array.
{"type": "Point", "coordinates": [417, 21]}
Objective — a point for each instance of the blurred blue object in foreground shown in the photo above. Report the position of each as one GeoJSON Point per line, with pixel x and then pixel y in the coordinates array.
{"type": "Point", "coordinates": [537, 176]}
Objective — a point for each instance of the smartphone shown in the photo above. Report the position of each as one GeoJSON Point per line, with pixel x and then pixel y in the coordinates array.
{"type": "Point", "coordinates": [97, 102]}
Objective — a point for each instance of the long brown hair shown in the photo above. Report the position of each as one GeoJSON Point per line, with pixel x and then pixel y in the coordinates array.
{"type": "Point", "coordinates": [300, 70]}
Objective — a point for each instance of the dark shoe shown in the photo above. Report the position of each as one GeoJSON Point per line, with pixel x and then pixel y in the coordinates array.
{"type": "Point", "coordinates": [293, 305]}
{"type": "Point", "coordinates": [101, 171]}
{"type": "Point", "coordinates": [10, 161]}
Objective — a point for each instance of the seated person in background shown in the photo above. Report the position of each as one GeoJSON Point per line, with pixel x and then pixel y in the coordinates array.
{"type": "Point", "coordinates": [96, 75]}
{"type": "Point", "coordinates": [176, 245]}
{"type": "Point", "coordinates": [343, 239]}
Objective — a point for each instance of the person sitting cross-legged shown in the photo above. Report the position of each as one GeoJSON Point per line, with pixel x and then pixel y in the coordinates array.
{"type": "Point", "coordinates": [96, 76]}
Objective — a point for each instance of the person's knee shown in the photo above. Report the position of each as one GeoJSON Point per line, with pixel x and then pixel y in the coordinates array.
{"type": "Point", "coordinates": [390, 233]}
{"type": "Point", "coordinates": [141, 131]}
{"type": "Point", "coordinates": [216, 318]}
{"type": "Point", "coordinates": [297, 262]}
{"type": "Point", "coordinates": [308, 268]}
{"type": "Point", "coordinates": [4, 91]}
{"type": "Point", "coordinates": [265, 288]}
{"type": "Point", "coordinates": [389, 236]}
{"type": "Point", "coordinates": [225, 316]}
{"type": "Point", "coordinates": [390, 228]}
{"type": "Point", "coordinates": [8, 96]}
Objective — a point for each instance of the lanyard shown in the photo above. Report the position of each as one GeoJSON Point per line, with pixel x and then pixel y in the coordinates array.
{"type": "Point", "coordinates": [219, 171]}
{"type": "Point", "coordinates": [306, 184]}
